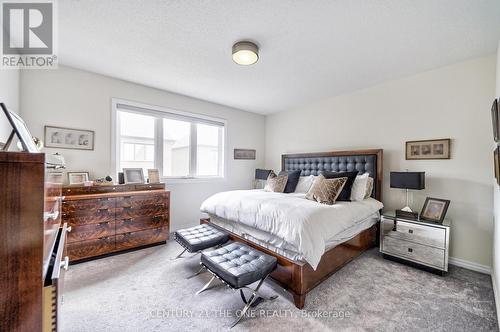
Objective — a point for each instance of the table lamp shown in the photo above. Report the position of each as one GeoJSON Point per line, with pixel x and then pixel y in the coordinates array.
{"type": "Point", "coordinates": [408, 180]}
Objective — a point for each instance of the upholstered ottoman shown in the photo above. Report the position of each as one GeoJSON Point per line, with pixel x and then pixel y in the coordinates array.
{"type": "Point", "coordinates": [199, 238]}
{"type": "Point", "coordinates": [239, 265]}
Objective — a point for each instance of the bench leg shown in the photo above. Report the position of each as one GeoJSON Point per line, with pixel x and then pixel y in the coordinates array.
{"type": "Point", "coordinates": [254, 299]}
{"type": "Point", "coordinates": [179, 255]}
{"type": "Point", "coordinates": [207, 286]}
{"type": "Point", "coordinates": [200, 271]}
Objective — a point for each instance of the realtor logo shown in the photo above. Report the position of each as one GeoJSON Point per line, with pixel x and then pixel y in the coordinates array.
{"type": "Point", "coordinates": [28, 35]}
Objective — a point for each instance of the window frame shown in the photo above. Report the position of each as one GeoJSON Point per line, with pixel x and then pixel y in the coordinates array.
{"type": "Point", "coordinates": [160, 113]}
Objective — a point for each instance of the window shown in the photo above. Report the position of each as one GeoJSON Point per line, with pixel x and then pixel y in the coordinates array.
{"type": "Point", "coordinates": [179, 144]}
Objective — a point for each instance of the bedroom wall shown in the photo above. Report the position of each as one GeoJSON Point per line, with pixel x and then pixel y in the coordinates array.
{"type": "Point", "coordinates": [453, 102]}
{"type": "Point", "coordinates": [9, 95]}
{"type": "Point", "coordinates": [73, 98]}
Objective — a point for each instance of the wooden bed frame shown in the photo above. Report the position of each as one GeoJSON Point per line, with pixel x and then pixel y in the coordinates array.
{"type": "Point", "coordinates": [299, 278]}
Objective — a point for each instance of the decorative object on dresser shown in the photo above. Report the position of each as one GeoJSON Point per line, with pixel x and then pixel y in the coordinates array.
{"type": "Point", "coordinates": [495, 118]}
{"type": "Point", "coordinates": [109, 219]}
{"type": "Point", "coordinates": [408, 180]}
{"type": "Point", "coordinates": [133, 175]}
{"type": "Point", "coordinates": [78, 177]}
{"type": "Point", "coordinates": [423, 243]}
{"type": "Point", "coordinates": [20, 130]}
{"type": "Point", "coordinates": [434, 209]}
{"type": "Point", "coordinates": [428, 149]}
{"type": "Point", "coordinates": [244, 154]}
{"type": "Point", "coordinates": [105, 181]}
{"type": "Point", "coordinates": [69, 138]}
{"type": "Point", "coordinates": [33, 243]}
{"type": "Point", "coordinates": [153, 175]}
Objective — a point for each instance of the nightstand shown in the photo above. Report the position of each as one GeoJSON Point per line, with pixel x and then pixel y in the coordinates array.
{"type": "Point", "coordinates": [422, 242]}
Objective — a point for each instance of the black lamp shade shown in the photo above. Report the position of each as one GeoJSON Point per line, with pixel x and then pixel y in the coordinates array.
{"type": "Point", "coordinates": [408, 180]}
{"type": "Point", "coordinates": [262, 174]}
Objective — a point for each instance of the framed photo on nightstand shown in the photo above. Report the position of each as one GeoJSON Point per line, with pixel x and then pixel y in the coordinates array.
{"type": "Point", "coordinates": [434, 209]}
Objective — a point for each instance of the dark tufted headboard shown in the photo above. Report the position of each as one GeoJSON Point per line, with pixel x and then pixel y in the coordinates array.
{"type": "Point", "coordinates": [338, 161]}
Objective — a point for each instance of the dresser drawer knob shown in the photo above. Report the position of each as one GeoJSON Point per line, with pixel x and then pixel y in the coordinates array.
{"type": "Point", "coordinates": [410, 250]}
{"type": "Point", "coordinates": [410, 231]}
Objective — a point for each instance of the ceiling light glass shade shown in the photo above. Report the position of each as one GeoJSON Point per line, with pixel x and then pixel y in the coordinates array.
{"type": "Point", "coordinates": [245, 53]}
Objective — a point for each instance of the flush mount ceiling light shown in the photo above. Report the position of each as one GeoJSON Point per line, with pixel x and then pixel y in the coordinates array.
{"type": "Point", "coordinates": [245, 53]}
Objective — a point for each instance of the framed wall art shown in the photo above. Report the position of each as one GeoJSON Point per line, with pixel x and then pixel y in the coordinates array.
{"type": "Point", "coordinates": [69, 138]}
{"type": "Point", "coordinates": [244, 154]}
{"type": "Point", "coordinates": [428, 149]}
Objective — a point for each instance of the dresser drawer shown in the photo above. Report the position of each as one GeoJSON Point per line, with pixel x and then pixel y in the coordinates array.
{"type": "Point", "coordinates": [434, 257]}
{"type": "Point", "coordinates": [88, 204]}
{"type": "Point", "coordinates": [427, 235]}
{"type": "Point", "coordinates": [140, 238]}
{"type": "Point", "coordinates": [136, 224]}
{"type": "Point", "coordinates": [91, 231]}
{"type": "Point", "coordinates": [135, 201]}
{"type": "Point", "coordinates": [89, 248]}
{"type": "Point", "coordinates": [88, 211]}
{"type": "Point", "coordinates": [144, 205]}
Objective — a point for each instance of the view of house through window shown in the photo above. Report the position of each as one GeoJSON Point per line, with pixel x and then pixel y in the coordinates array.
{"type": "Point", "coordinates": [177, 145]}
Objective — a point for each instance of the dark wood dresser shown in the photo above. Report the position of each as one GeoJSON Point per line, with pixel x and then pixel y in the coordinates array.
{"type": "Point", "coordinates": [110, 219]}
{"type": "Point", "coordinates": [31, 243]}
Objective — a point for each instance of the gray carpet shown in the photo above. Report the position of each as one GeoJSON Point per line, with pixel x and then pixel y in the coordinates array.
{"type": "Point", "coordinates": [145, 291]}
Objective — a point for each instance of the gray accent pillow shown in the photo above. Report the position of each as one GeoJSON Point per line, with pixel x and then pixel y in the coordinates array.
{"type": "Point", "coordinates": [326, 191]}
{"type": "Point", "coordinates": [276, 183]}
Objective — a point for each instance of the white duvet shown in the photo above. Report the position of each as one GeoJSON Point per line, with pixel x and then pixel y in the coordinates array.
{"type": "Point", "coordinates": [303, 223]}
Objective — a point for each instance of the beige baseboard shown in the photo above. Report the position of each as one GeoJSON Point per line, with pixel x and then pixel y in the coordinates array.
{"type": "Point", "coordinates": [470, 265]}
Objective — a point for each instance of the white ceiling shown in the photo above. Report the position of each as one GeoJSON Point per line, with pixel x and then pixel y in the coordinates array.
{"type": "Point", "coordinates": [308, 49]}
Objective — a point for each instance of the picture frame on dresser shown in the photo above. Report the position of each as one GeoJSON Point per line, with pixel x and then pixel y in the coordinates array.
{"type": "Point", "coordinates": [133, 175]}
{"type": "Point", "coordinates": [79, 178]}
{"type": "Point", "coordinates": [434, 209]}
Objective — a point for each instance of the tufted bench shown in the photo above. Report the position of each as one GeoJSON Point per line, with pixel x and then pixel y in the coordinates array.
{"type": "Point", "coordinates": [199, 238]}
{"type": "Point", "coordinates": [239, 265]}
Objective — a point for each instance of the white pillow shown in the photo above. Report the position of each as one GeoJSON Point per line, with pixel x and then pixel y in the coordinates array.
{"type": "Point", "coordinates": [358, 190]}
{"type": "Point", "coordinates": [305, 183]}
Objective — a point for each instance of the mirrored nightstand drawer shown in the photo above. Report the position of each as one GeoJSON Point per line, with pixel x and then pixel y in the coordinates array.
{"type": "Point", "coordinates": [423, 234]}
{"type": "Point", "coordinates": [415, 252]}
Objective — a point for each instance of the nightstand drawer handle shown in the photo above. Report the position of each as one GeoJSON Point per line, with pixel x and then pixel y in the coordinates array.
{"type": "Point", "coordinates": [410, 231]}
{"type": "Point", "coordinates": [410, 250]}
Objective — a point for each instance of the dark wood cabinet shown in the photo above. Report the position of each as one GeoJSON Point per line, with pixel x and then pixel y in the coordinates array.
{"type": "Point", "coordinates": [110, 219]}
{"type": "Point", "coordinates": [31, 243]}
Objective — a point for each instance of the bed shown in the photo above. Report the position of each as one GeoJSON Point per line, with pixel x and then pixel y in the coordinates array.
{"type": "Point", "coordinates": [298, 232]}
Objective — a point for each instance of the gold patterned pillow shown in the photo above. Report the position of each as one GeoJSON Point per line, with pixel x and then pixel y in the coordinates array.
{"type": "Point", "coordinates": [326, 191]}
{"type": "Point", "coordinates": [276, 183]}
{"type": "Point", "coordinates": [369, 187]}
